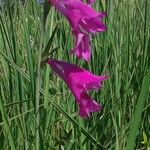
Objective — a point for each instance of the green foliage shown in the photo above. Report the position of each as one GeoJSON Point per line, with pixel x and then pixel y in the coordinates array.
{"type": "Point", "coordinates": [37, 111]}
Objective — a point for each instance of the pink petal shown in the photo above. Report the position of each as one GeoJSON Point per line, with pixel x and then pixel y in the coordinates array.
{"type": "Point", "coordinates": [83, 46]}
{"type": "Point", "coordinates": [93, 25]}
{"type": "Point", "coordinates": [74, 16]}
{"type": "Point", "coordinates": [88, 106]}
{"type": "Point", "coordinates": [87, 11]}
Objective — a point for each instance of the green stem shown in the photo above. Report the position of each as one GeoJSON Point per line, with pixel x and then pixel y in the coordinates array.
{"type": "Point", "coordinates": [37, 96]}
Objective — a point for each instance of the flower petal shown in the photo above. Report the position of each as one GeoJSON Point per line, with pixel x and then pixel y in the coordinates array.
{"type": "Point", "coordinates": [83, 46]}
{"type": "Point", "coordinates": [88, 106]}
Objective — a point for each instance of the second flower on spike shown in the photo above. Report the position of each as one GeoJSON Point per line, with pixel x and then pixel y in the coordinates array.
{"type": "Point", "coordinates": [79, 81]}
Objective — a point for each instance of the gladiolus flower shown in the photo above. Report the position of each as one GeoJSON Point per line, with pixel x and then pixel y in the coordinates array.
{"type": "Point", "coordinates": [80, 81]}
{"type": "Point", "coordinates": [84, 20]}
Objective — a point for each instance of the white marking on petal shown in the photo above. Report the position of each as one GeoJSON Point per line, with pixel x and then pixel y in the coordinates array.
{"type": "Point", "coordinates": [60, 68]}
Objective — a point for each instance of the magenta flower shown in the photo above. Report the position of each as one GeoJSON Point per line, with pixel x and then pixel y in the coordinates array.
{"type": "Point", "coordinates": [80, 81]}
{"type": "Point", "coordinates": [84, 20]}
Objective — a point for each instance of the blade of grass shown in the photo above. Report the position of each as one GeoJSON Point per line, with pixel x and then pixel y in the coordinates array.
{"type": "Point", "coordinates": [134, 128]}
{"type": "Point", "coordinates": [37, 97]}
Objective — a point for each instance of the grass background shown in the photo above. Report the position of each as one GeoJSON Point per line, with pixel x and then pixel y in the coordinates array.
{"type": "Point", "coordinates": [37, 111]}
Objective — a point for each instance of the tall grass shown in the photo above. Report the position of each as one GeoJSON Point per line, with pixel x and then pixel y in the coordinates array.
{"type": "Point", "coordinates": [37, 111]}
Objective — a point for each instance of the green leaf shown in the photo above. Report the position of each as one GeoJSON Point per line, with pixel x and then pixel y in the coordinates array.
{"type": "Point", "coordinates": [134, 128]}
{"type": "Point", "coordinates": [46, 51]}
